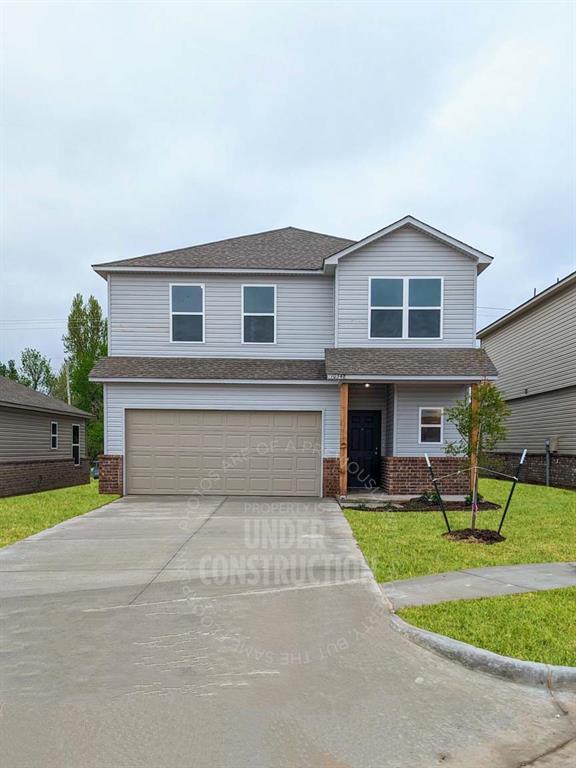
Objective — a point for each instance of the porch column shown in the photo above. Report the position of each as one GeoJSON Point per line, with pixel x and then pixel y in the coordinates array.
{"type": "Point", "coordinates": [343, 467]}
{"type": "Point", "coordinates": [474, 435]}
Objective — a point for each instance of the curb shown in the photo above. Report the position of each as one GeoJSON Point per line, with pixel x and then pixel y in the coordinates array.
{"type": "Point", "coordinates": [518, 671]}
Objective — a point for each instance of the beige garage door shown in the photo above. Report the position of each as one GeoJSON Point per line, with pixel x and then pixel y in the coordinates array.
{"type": "Point", "coordinates": [231, 452]}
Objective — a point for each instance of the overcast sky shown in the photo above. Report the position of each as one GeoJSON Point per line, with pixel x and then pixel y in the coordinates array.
{"type": "Point", "coordinates": [130, 128]}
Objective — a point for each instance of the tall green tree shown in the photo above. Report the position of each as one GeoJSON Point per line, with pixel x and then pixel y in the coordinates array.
{"type": "Point", "coordinates": [35, 371]}
{"type": "Point", "coordinates": [84, 342]}
{"type": "Point", "coordinates": [9, 370]}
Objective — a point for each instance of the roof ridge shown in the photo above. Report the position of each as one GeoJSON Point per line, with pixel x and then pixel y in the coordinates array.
{"type": "Point", "coordinates": [217, 242]}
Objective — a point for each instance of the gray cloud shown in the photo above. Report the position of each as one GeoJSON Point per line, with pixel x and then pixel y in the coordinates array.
{"type": "Point", "coordinates": [131, 128]}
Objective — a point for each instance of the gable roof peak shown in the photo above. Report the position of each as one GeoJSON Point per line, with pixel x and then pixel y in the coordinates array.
{"type": "Point", "coordinates": [482, 259]}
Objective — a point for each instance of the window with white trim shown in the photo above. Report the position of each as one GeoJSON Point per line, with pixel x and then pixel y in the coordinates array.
{"type": "Point", "coordinates": [76, 444]}
{"type": "Point", "coordinates": [405, 307]}
{"type": "Point", "coordinates": [430, 423]}
{"type": "Point", "coordinates": [187, 312]}
{"type": "Point", "coordinates": [54, 435]}
{"type": "Point", "coordinates": [258, 314]}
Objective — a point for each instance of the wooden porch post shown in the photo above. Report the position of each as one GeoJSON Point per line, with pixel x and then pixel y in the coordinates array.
{"type": "Point", "coordinates": [343, 466]}
{"type": "Point", "coordinates": [474, 438]}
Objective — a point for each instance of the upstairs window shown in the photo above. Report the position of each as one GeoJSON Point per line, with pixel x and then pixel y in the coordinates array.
{"type": "Point", "coordinates": [405, 307]}
{"type": "Point", "coordinates": [187, 313]}
{"type": "Point", "coordinates": [76, 444]}
{"type": "Point", "coordinates": [54, 435]}
{"type": "Point", "coordinates": [430, 425]}
{"type": "Point", "coordinates": [258, 314]}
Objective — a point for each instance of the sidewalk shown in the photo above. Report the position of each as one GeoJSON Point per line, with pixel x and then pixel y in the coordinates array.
{"type": "Point", "coordinates": [479, 582]}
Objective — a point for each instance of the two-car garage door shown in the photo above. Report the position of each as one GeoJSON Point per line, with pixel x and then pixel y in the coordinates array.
{"type": "Point", "coordinates": [223, 452]}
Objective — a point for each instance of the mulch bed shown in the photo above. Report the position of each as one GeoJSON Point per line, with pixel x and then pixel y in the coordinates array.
{"type": "Point", "coordinates": [417, 505]}
{"type": "Point", "coordinates": [475, 536]}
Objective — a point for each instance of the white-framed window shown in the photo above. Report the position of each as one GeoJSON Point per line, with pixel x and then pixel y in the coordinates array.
{"type": "Point", "coordinates": [405, 307]}
{"type": "Point", "coordinates": [76, 444]}
{"type": "Point", "coordinates": [431, 425]}
{"type": "Point", "coordinates": [54, 435]}
{"type": "Point", "coordinates": [187, 313]}
{"type": "Point", "coordinates": [258, 314]}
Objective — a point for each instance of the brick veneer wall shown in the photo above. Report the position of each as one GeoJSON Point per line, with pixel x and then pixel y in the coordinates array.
{"type": "Point", "coordinates": [409, 474]}
{"type": "Point", "coordinates": [111, 478]}
{"type": "Point", "coordinates": [562, 468]}
{"type": "Point", "coordinates": [331, 481]}
{"type": "Point", "coordinates": [29, 476]}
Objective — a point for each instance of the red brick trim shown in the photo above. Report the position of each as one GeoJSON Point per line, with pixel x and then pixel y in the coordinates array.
{"type": "Point", "coordinates": [562, 468]}
{"type": "Point", "coordinates": [330, 477]}
{"type": "Point", "coordinates": [18, 477]}
{"type": "Point", "coordinates": [409, 475]}
{"type": "Point", "coordinates": [111, 477]}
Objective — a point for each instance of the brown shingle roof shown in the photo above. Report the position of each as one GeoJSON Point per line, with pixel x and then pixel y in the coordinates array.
{"type": "Point", "coordinates": [287, 248]}
{"type": "Point", "coordinates": [416, 363]}
{"type": "Point", "coordinates": [191, 368]}
{"type": "Point", "coordinates": [17, 395]}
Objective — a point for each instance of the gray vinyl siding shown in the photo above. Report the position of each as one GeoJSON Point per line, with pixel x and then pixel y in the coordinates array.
{"type": "Point", "coordinates": [533, 419]}
{"type": "Point", "coordinates": [390, 411]}
{"type": "Point", "coordinates": [26, 435]}
{"type": "Point", "coordinates": [411, 397]}
{"type": "Point", "coordinates": [536, 352]}
{"type": "Point", "coordinates": [371, 398]}
{"type": "Point", "coordinates": [140, 316]}
{"type": "Point", "coordinates": [406, 253]}
{"type": "Point", "coordinates": [274, 397]}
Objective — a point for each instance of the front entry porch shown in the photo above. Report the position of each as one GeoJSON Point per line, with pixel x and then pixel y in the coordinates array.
{"type": "Point", "coordinates": [386, 428]}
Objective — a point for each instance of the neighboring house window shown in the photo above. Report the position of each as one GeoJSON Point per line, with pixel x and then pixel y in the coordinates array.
{"type": "Point", "coordinates": [430, 425]}
{"type": "Point", "coordinates": [405, 307]}
{"type": "Point", "coordinates": [187, 313]}
{"type": "Point", "coordinates": [76, 444]}
{"type": "Point", "coordinates": [258, 314]}
{"type": "Point", "coordinates": [54, 435]}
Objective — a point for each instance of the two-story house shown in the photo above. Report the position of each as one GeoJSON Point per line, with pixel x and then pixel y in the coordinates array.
{"type": "Point", "coordinates": [289, 363]}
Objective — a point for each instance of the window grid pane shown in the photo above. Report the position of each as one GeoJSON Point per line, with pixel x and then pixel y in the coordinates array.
{"type": "Point", "coordinates": [259, 329]}
{"type": "Point", "coordinates": [430, 434]}
{"type": "Point", "coordinates": [187, 298]}
{"type": "Point", "coordinates": [259, 299]}
{"type": "Point", "coordinates": [386, 323]}
{"type": "Point", "coordinates": [425, 292]}
{"type": "Point", "coordinates": [424, 323]}
{"type": "Point", "coordinates": [187, 328]}
{"type": "Point", "coordinates": [387, 292]}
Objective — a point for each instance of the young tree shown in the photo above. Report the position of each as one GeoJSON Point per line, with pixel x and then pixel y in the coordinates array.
{"type": "Point", "coordinates": [36, 371]}
{"type": "Point", "coordinates": [480, 424]}
{"type": "Point", "coordinates": [84, 342]}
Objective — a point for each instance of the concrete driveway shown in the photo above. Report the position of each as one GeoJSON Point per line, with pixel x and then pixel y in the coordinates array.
{"type": "Point", "coordinates": [229, 632]}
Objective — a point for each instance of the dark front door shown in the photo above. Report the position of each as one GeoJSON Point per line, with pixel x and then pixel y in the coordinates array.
{"type": "Point", "coordinates": [363, 449]}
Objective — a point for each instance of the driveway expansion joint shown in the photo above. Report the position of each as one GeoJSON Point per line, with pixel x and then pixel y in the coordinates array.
{"type": "Point", "coordinates": [165, 566]}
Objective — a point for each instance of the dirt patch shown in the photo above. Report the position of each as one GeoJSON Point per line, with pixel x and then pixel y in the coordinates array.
{"type": "Point", "coordinates": [475, 536]}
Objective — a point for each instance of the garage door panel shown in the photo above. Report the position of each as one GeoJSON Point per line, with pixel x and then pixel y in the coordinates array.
{"type": "Point", "coordinates": [235, 452]}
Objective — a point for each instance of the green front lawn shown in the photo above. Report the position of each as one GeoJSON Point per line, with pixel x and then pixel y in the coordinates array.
{"type": "Point", "coordinates": [536, 626]}
{"type": "Point", "coordinates": [21, 516]}
{"type": "Point", "coordinates": [540, 527]}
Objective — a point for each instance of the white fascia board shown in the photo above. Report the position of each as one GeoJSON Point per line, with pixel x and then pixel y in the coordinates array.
{"type": "Point", "coordinates": [103, 271]}
{"type": "Point", "coordinates": [368, 378]}
{"type": "Point", "coordinates": [307, 382]}
{"type": "Point", "coordinates": [480, 256]}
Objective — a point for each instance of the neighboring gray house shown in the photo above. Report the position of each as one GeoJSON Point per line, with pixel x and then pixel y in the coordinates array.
{"type": "Point", "coordinates": [42, 441]}
{"type": "Point", "coordinates": [534, 349]}
{"type": "Point", "coordinates": [289, 362]}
